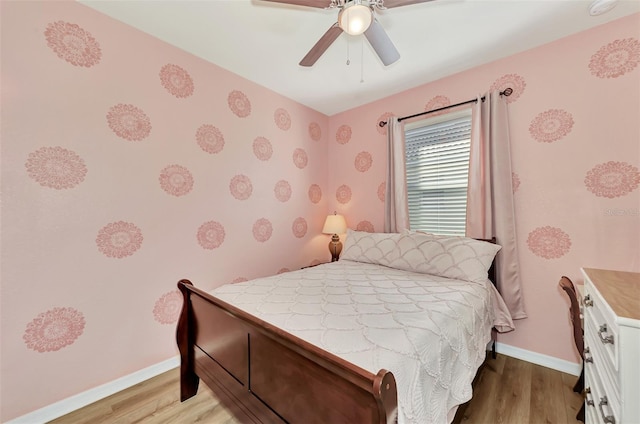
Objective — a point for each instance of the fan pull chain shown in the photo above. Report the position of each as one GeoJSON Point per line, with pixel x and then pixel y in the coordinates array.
{"type": "Point", "coordinates": [348, 61]}
{"type": "Point", "coordinates": [361, 61]}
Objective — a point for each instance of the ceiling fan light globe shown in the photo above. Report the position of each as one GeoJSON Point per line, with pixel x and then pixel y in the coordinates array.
{"type": "Point", "coordinates": [355, 18]}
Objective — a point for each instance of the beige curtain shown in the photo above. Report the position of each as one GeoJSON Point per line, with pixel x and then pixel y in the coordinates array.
{"type": "Point", "coordinates": [396, 206]}
{"type": "Point", "coordinates": [490, 211]}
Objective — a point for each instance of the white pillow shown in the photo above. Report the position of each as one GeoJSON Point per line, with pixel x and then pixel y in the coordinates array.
{"type": "Point", "coordinates": [372, 248]}
{"type": "Point", "coordinates": [460, 258]}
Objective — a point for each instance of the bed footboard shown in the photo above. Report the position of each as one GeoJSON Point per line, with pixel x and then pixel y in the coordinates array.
{"type": "Point", "coordinates": [265, 375]}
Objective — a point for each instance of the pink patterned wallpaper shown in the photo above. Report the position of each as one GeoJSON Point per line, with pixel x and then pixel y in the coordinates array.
{"type": "Point", "coordinates": [128, 164]}
{"type": "Point", "coordinates": [576, 158]}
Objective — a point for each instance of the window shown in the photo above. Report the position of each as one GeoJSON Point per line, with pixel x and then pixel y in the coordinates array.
{"type": "Point", "coordinates": [437, 164]}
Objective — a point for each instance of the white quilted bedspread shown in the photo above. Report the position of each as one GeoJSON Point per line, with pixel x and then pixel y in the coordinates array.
{"type": "Point", "coordinates": [430, 331]}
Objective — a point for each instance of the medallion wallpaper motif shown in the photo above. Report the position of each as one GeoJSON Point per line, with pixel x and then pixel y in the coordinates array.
{"type": "Point", "coordinates": [56, 167]}
{"type": "Point", "coordinates": [176, 80]}
{"type": "Point", "coordinates": [119, 239]}
{"type": "Point", "coordinates": [73, 44]}
{"type": "Point", "coordinates": [210, 139]}
{"type": "Point", "coordinates": [437, 102]}
{"type": "Point", "coordinates": [54, 329]}
{"type": "Point", "coordinates": [176, 180]}
{"type": "Point", "coordinates": [129, 122]}
{"type": "Point", "coordinates": [315, 131]}
{"type": "Point", "coordinates": [616, 58]}
{"type": "Point", "coordinates": [551, 125]}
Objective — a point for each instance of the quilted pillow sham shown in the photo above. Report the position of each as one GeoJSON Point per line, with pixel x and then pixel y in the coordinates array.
{"type": "Point", "coordinates": [460, 258]}
{"type": "Point", "coordinates": [371, 248]}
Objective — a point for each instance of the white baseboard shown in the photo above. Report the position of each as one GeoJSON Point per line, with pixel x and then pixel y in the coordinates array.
{"type": "Point", "coordinates": [539, 359]}
{"type": "Point", "coordinates": [70, 404]}
{"type": "Point", "coordinates": [80, 400]}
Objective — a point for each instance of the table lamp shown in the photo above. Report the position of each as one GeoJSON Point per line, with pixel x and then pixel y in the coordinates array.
{"type": "Point", "coordinates": [335, 224]}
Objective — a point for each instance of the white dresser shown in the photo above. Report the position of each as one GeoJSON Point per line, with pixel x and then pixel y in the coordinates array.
{"type": "Point", "coordinates": [611, 307]}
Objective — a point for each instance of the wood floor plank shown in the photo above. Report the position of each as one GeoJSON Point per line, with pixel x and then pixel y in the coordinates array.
{"type": "Point", "coordinates": [546, 406]}
{"type": "Point", "coordinates": [202, 408]}
{"type": "Point", "coordinates": [512, 400]}
{"type": "Point", "coordinates": [573, 401]}
{"type": "Point", "coordinates": [488, 379]}
{"type": "Point", "coordinates": [507, 391]}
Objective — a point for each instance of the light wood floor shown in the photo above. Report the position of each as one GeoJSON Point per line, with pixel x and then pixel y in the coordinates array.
{"type": "Point", "coordinates": [511, 391]}
{"type": "Point", "coordinates": [507, 391]}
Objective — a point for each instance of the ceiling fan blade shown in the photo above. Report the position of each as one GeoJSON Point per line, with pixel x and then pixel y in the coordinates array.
{"type": "Point", "coordinates": [381, 43]}
{"type": "Point", "coordinates": [397, 3]}
{"type": "Point", "coordinates": [322, 45]}
{"type": "Point", "coordinates": [321, 4]}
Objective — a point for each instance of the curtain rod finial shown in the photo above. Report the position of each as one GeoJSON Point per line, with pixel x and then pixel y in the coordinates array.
{"type": "Point", "coordinates": [381, 124]}
{"type": "Point", "coordinates": [508, 91]}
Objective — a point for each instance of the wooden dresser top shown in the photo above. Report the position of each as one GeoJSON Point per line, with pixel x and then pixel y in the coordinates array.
{"type": "Point", "coordinates": [620, 289]}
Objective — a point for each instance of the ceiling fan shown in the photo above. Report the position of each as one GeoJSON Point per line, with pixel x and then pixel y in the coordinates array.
{"type": "Point", "coordinates": [355, 17]}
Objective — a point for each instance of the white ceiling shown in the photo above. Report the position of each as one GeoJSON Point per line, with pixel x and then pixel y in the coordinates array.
{"type": "Point", "coordinates": [264, 41]}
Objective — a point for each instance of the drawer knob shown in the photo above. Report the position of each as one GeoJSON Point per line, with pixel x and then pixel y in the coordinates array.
{"type": "Point", "coordinates": [587, 392]}
{"type": "Point", "coordinates": [606, 418]}
{"type": "Point", "coordinates": [587, 358]}
{"type": "Point", "coordinates": [587, 300]}
{"type": "Point", "coordinates": [605, 339]}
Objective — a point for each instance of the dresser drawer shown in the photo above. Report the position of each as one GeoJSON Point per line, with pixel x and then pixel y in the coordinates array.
{"type": "Point", "coordinates": [597, 360]}
{"type": "Point", "coordinates": [600, 322]}
{"type": "Point", "coordinates": [600, 407]}
{"type": "Point", "coordinates": [611, 310]}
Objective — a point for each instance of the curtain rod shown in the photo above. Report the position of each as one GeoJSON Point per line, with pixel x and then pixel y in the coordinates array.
{"type": "Point", "coordinates": [507, 92]}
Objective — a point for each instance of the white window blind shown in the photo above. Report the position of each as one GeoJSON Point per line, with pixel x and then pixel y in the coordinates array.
{"type": "Point", "coordinates": [437, 164]}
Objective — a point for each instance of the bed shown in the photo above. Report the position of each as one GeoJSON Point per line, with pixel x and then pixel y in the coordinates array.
{"type": "Point", "coordinates": [393, 332]}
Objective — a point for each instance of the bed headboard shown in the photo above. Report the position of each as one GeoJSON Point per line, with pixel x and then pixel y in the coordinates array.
{"type": "Point", "coordinates": [492, 276]}
{"type": "Point", "coordinates": [492, 269]}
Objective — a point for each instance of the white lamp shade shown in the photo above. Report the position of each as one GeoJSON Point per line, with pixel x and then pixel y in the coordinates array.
{"type": "Point", "coordinates": [334, 224]}
{"type": "Point", "coordinates": [355, 19]}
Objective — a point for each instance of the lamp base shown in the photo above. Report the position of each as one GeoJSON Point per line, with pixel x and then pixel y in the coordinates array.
{"type": "Point", "coordinates": [335, 247]}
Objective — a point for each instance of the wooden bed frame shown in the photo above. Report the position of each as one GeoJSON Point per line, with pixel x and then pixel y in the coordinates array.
{"type": "Point", "coordinates": [263, 374]}
{"type": "Point", "coordinates": [266, 375]}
